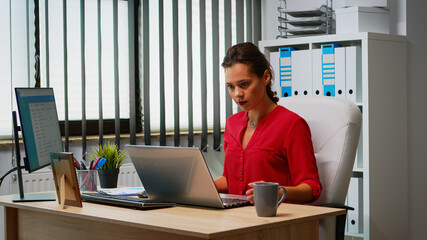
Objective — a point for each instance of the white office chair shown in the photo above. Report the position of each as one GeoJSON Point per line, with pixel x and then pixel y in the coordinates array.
{"type": "Point", "coordinates": [335, 125]}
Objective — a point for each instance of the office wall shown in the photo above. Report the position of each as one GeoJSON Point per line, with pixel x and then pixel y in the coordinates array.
{"type": "Point", "coordinates": [417, 117]}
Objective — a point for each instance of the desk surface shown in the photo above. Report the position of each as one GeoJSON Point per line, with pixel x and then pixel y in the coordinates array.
{"type": "Point", "coordinates": [187, 221]}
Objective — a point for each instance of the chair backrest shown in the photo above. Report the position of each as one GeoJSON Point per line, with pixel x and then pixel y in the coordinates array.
{"type": "Point", "coordinates": [335, 125]}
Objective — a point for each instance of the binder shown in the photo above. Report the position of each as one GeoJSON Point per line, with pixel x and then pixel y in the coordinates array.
{"type": "Point", "coordinates": [301, 81]}
{"type": "Point", "coordinates": [346, 219]}
{"type": "Point", "coordinates": [274, 61]}
{"type": "Point", "coordinates": [353, 73]}
{"type": "Point", "coordinates": [355, 200]}
{"type": "Point", "coordinates": [340, 72]}
{"type": "Point", "coordinates": [359, 152]}
{"type": "Point", "coordinates": [316, 55]}
{"type": "Point", "coordinates": [328, 69]}
{"type": "Point", "coordinates": [285, 65]}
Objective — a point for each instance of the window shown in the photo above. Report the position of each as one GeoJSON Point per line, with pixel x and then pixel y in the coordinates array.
{"type": "Point", "coordinates": [56, 63]}
{"type": "Point", "coordinates": [182, 45]}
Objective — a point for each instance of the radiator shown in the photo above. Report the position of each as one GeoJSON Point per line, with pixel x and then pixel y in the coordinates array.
{"type": "Point", "coordinates": [128, 176]}
{"type": "Point", "coordinates": [38, 181]}
{"type": "Point", "coordinates": [43, 181]}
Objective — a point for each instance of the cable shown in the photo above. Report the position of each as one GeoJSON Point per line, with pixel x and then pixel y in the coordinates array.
{"type": "Point", "coordinates": [8, 172]}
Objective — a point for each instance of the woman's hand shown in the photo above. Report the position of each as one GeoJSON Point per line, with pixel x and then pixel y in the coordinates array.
{"type": "Point", "coordinates": [221, 184]}
{"type": "Point", "coordinates": [250, 192]}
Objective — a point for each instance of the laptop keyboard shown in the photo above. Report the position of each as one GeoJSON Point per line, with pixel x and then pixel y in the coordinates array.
{"type": "Point", "coordinates": [124, 201]}
{"type": "Point", "coordinates": [233, 202]}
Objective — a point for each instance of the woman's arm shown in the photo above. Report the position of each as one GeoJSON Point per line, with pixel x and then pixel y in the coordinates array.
{"type": "Point", "coordinates": [221, 184]}
{"type": "Point", "coordinates": [300, 193]}
{"type": "Point", "coordinates": [302, 164]}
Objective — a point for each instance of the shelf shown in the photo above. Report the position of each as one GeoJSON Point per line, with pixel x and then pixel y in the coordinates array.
{"type": "Point", "coordinates": [304, 30]}
{"type": "Point", "coordinates": [322, 10]}
{"type": "Point", "coordinates": [306, 21]}
{"type": "Point", "coordinates": [380, 94]}
{"type": "Point", "coordinates": [350, 234]}
{"type": "Point", "coordinates": [317, 21]}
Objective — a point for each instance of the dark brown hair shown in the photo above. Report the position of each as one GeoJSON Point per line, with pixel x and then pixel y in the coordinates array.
{"type": "Point", "coordinates": [250, 55]}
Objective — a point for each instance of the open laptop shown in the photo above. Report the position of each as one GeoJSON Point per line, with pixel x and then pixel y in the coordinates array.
{"type": "Point", "coordinates": [180, 175]}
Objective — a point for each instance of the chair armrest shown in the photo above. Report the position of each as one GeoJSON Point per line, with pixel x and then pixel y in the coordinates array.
{"type": "Point", "coordinates": [337, 205]}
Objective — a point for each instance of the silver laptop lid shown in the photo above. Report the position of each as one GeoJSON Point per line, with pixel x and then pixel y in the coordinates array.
{"type": "Point", "coordinates": [175, 174]}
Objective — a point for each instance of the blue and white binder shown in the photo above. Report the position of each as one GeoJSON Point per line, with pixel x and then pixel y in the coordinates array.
{"type": "Point", "coordinates": [274, 61]}
{"type": "Point", "coordinates": [285, 65]}
{"type": "Point", "coordinates": [328, 69]}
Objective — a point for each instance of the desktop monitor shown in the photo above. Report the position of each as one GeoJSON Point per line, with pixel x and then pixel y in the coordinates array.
{"type": "Point", "coordinates": [40, 129]}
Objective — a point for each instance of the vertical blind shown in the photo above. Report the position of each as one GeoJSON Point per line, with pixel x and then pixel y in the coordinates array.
{"type": "Point", "coordinates": [154, 63]}
{"type": "Point", "coordinates": [17, 62]}
{"type": "Point", "coordinates": [184, 90]}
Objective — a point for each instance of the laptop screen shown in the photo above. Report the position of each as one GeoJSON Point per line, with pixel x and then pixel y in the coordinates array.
{"type": "Point", "coordinates": [175, 174]}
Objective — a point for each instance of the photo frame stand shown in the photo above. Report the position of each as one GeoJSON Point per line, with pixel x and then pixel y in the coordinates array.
{"type": "Point", "coordinates": [64, 174]}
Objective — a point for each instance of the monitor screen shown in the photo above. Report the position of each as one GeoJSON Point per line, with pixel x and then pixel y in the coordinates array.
{"type": "Point", "coordinates": [39, 125]}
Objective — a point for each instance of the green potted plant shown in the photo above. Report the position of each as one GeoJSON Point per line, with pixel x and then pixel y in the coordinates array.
{"type": "Point", "coordinates": [109, 171]}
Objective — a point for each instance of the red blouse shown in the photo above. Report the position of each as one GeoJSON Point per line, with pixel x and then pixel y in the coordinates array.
{"type": "Point", "coordinates": [280, 150]}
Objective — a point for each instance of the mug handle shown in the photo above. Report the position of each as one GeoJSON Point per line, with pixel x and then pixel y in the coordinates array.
{"type": "Point", "coordinates": [283, 196]}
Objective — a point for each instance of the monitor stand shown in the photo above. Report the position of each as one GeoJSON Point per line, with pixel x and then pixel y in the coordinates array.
{"type": "Point", "coordinates": [34, 197]}
{"type": "Point", "coordinates": [29, 197]}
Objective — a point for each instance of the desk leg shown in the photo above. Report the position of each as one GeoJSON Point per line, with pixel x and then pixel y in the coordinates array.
{"type": "Point", "coordinates": [11, 223]}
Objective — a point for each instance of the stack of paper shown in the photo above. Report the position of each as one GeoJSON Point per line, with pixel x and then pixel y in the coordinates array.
{"type": "Point", "coordinates": [128, 191]}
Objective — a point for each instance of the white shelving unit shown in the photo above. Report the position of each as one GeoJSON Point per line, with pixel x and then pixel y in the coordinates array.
{"type": "Point", "coordinates": [382, 155]}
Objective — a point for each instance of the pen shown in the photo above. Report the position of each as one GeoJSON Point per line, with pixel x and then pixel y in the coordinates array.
{"type": "Point", "coordinates": [77, 164]}
{"type": "Point", "coordinates": [100, 163]}
{"type": "Point", "coordinates": [94, 164]}
{"type": "Point", "coordinates": [84, 180]}
{"type": "Point", "coordinates": [83, 166]}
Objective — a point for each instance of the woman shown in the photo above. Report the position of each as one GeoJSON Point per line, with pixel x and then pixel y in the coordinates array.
{"type": "Point", "coordinates": [264, 142]}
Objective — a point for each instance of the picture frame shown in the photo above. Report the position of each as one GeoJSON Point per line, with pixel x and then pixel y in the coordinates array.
{"type": "Point", "coordinates": [65, 177]}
